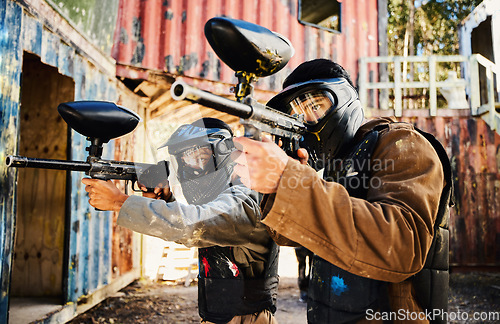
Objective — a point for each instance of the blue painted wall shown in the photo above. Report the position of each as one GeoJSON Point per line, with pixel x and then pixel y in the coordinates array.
{"type": "Point", "coordinates": [90, 234]}
{"type": "Point", "coordinates": [10, 73]}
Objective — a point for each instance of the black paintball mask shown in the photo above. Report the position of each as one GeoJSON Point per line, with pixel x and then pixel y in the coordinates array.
{"type": "Point", "coordinates": [201, 159]}
{"type": "Point", "coordinates": [332, 115]}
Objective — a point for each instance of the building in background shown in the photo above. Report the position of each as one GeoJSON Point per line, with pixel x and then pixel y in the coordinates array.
{"type": "Point", "coordinates": [157, 41]}
{"type": "Point", "coordinates": [58, 256]}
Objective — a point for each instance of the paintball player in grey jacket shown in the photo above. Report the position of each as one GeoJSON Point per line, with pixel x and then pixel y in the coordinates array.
{"type": "Point", "coordinates": [237, 258]}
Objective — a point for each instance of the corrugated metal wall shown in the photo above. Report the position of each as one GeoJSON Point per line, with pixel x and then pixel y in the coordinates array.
{"type": "Point", "coordinates": [10, 71]}
{"type": "Point", "coordinates": [168, 36]}
{"type": "Point", "coordinates": [474, 151]}
{"type": "Point", "coordinates": [90, 235]}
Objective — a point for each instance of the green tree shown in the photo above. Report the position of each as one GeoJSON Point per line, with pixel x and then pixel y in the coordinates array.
{"type": "Point", "coordinates": [433, 25]}
{"type": "Point", "coordinates": [425, 27]}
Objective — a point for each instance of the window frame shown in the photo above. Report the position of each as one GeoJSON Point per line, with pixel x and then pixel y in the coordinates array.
{"type": "Point", "coordinates": [306, 23]}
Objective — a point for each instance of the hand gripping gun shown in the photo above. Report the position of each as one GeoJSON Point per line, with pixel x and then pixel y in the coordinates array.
{"type": "Point", "coordinates": [252, 51]}
{"type": "Point", "coordinates": [100, 122]}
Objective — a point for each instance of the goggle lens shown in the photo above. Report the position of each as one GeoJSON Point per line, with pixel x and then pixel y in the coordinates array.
{"type": "Point", "coordinates": [197, 157]}
{"type": "Point", "coordinates": [314, 105]}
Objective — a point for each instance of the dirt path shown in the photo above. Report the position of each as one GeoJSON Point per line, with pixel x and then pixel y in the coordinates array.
{"type": "Point", "coordinates": [151, 303]}
{"type": "Point", "coordinates": [144, 302]}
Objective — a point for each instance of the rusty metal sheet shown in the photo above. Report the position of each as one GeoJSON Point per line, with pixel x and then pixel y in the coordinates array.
{"type": "Point", "coordinates": [10, 71]}
{"type": "Point", "coordinates": [168, 36]}
{"type": "Point", "coordinates": [90, 234]}
{"type": "Point", "coordinates": [474, 151]}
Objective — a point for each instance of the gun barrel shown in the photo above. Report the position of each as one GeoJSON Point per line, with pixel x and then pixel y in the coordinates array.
{"type": "Point", "coordinates": [182, 91]}
{"type": "Point", "coordinates": [25, 162]}
{"type": "Point", "coordinates": [271, 120]}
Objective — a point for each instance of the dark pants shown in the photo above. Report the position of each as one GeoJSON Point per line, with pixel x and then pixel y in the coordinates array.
{"type": "Point", "coordinates": [302, 254]}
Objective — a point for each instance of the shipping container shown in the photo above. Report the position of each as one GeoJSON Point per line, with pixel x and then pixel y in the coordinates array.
{"type": "Point", "coordinates": [168, 36]}
{"type": "Point", "coordinates": [58, 255]}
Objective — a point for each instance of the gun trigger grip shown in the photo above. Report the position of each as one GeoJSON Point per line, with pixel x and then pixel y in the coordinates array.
{"type": "Point", "coordinates": [137, 189]}
{"type": "Point", "coordinates": [134, 182]}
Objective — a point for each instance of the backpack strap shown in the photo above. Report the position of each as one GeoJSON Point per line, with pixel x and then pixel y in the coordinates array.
{"type": "Point", "coordinates": [431, 284]}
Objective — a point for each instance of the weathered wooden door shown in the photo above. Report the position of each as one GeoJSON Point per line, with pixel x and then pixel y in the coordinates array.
{"type": "Point", "coordinates": [39, 252]}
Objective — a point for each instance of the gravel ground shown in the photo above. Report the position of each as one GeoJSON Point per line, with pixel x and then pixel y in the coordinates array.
{"type": "Point", "coordinates": [150, 302]}
{"type": "Point", "coordinates": [474, 294]}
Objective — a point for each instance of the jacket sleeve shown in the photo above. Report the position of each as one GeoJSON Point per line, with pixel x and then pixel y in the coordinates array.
{"type": "Point", "coordinates": [385, 237]}
{"type": "Point", "coordinates": [232, 219]}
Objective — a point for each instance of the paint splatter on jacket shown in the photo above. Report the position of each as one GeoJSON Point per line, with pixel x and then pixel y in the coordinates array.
{"type": "Point", "coordinates": [237, 257]}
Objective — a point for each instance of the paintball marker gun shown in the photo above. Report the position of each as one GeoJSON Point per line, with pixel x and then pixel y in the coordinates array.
{"type": "Point", "coordinates": [252, 51]}
{"type": "Point", "coordinates": [99, 121]}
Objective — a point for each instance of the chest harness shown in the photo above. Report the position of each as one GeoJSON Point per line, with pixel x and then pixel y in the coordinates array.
{"type": "Point", "coordinates": [226, 290]}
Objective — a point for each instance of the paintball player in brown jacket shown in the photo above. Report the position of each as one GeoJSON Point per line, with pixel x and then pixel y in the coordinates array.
{"type": "Point", "coordinates": [371, 204]}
